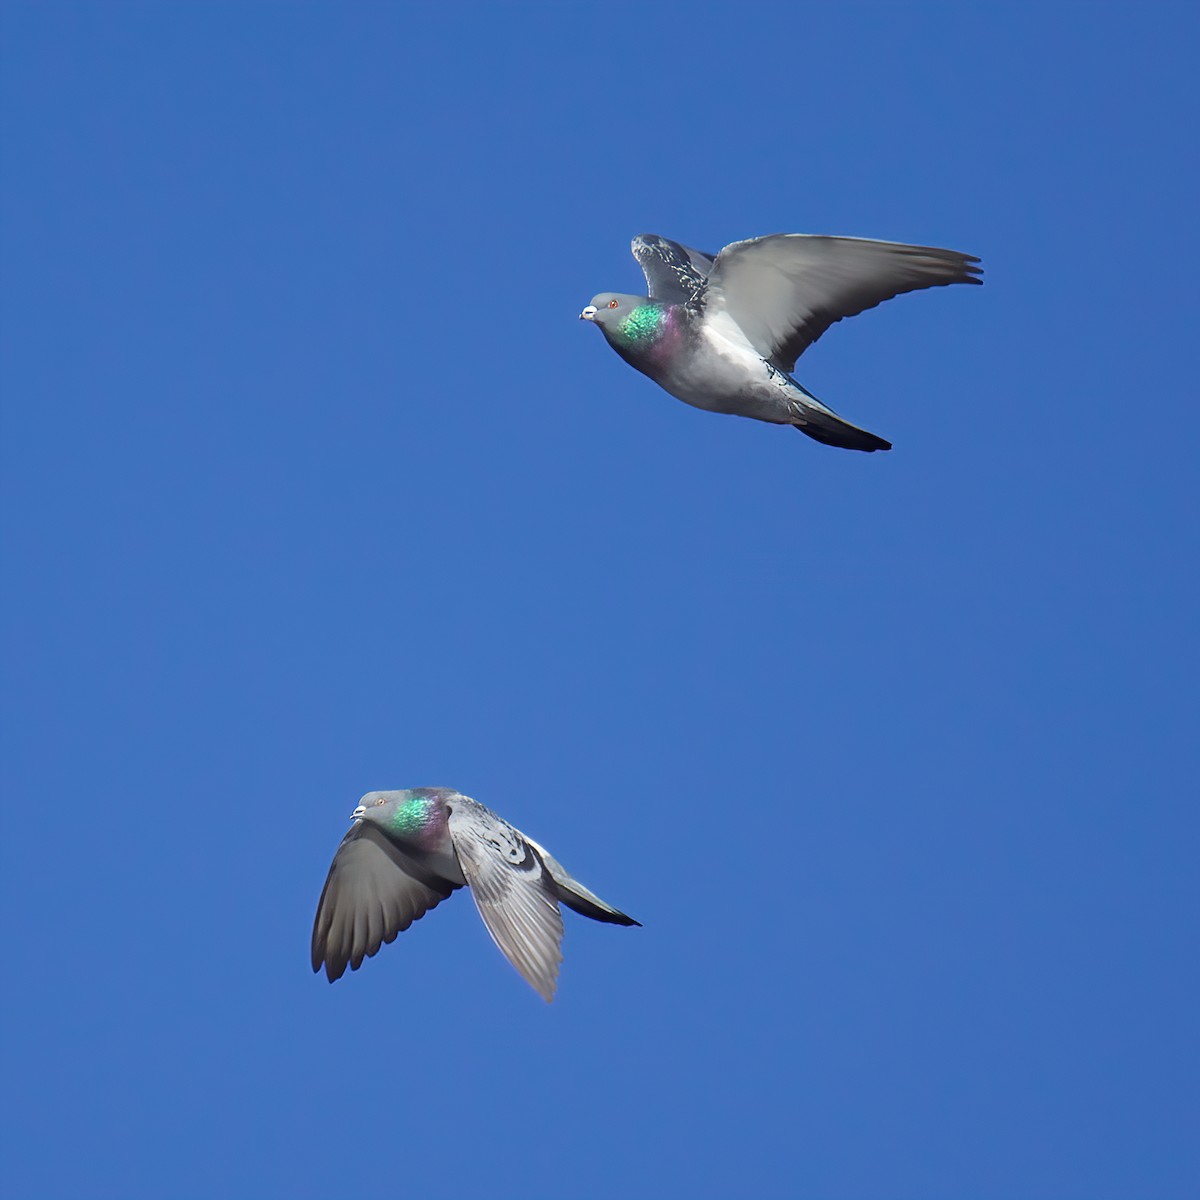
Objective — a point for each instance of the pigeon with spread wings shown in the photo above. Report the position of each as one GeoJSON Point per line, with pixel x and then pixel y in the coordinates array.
{"type": "Point", "coordinates": [723, 332]}
{"type": "Point", "coordinates": [408, 850]}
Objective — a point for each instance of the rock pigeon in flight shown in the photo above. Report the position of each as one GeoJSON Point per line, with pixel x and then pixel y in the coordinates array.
{"type": "Point", "coordinates": [408, 850]}
{"type": "Point", "coordinates": [723, 332]}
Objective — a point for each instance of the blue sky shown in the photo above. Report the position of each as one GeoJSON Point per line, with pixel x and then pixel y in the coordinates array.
{"type": "Point", "coordinates": [313, 484]}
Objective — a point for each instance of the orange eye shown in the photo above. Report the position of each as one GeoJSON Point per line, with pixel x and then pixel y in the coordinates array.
{"type": "Point", "coordinates": [612, 304]}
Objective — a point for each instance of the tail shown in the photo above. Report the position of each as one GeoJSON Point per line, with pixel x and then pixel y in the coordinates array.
{"type": "Point", "coordinates": [834, 432]}
{"type": "Point", "coordinates": [574, 895]}
{"type": "Point", "coordinates": [822, 424]}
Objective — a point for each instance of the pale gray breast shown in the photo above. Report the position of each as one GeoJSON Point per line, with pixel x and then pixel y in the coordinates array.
{"type": "Point", "coordinates": [721, 371]}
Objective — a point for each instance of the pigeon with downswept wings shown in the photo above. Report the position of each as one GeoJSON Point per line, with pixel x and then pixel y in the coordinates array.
{"type": "Point", "coordinates": [408, 850]}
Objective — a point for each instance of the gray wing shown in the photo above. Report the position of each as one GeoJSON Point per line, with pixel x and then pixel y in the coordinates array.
{"type": "Point", "coordinates": [785, 290]}
{"type": "Point", "coordinates": [373, 892]}
{"type": "Point", "coordinates": [674, 272]}
{"type": "Point", "coordinates": [512, 891]}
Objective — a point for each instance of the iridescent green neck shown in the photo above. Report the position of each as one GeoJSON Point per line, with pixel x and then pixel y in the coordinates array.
{"type": "Point", "coordinates": [412, 816]}
{"type": "Point", "coordinates": [644, 325]}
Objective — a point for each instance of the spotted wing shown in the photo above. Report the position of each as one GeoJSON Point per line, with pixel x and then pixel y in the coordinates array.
{"type": "Point", "coordinates": [785, 290]}
{"type": "Point", "coordinates": [373, 892]}
{"type": "Point", "coordinates": [674, 273]}
{"type": "Point", "coordinates": [512, 891]}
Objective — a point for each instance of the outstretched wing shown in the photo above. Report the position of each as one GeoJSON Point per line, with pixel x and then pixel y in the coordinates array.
{"type": "Point", "coordinates": [373, 892]}
{"type": "Point", "coordinates": [512, 891]}
{"type": "Point", "coordinates": [785, 290]}
{"type": "Point", "coordinates": [674, 273]}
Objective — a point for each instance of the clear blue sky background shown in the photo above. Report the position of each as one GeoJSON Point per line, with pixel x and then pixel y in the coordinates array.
{"type": "Point", "coordinates": [313, 484]}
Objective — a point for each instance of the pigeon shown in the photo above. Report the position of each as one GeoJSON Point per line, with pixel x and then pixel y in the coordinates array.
{"type": "Point", "coordinates": [408, 850]}
{"type": "Point", "coordinates": [723, 332]}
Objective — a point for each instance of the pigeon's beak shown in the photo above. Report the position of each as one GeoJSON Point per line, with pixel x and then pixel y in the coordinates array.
{"type": "Point", "coordinates": [358, 812]}
{"type": "Point", "coordinates": [589, 313]}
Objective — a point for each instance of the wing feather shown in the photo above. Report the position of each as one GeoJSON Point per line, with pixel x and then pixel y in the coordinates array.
{"type": "Point", "coordinates": [674, 272]}
{"type": "Point", "coordinates": [512, 890]}
{"type": "Point", "coordinates": [373, 892]}
{"type": "Point", "coordinates": [783, 291]}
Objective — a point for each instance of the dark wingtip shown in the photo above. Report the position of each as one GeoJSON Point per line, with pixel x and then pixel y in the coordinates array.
{"type": "Point", "coordinates": [332, 973]}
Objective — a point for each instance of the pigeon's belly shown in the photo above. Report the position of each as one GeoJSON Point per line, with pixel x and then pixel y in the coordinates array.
{"type": "Point", "coordinates": [722, 376]}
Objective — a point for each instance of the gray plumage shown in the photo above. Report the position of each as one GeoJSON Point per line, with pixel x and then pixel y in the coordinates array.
{"type": "Point", "coordinates": [723, 332]}
{"type": "Point", "coordinates": [408, 850]}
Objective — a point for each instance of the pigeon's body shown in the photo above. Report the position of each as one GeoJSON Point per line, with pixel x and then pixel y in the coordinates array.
{"type": "Point", "coordinates": [724, 333]}
{"type": "Point", "coordinates": [408, 850]}
{"type": "Point", "coordinates": [711, 365]}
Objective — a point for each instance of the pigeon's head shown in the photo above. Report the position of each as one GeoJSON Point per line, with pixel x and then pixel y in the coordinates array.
{"type": "Point", "coordinates": [610, 309]}
{"type": "Point", "coordinates": [627, 321]}
{"type": "Point", "coordinates": [412, 814]}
